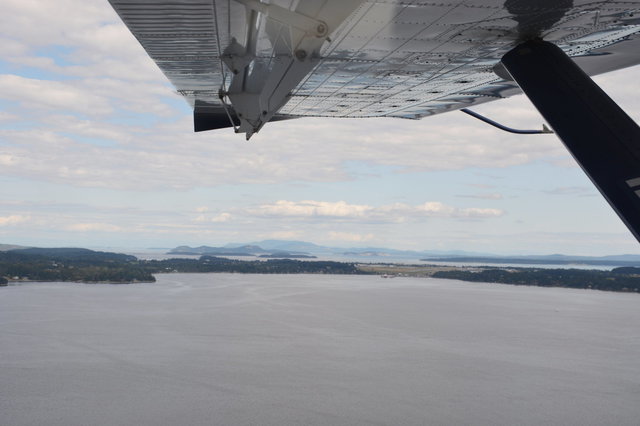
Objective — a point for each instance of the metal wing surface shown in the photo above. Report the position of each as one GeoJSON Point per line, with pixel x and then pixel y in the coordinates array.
{"type": "Point", "coordinates": [245, 62]}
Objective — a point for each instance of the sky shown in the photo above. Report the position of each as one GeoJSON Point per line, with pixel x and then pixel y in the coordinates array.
{"type": "Point", "coordinates": [97, 150]}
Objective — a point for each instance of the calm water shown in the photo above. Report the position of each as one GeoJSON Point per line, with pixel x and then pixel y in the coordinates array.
{"type": "Point", "coordinates": [230, 349]}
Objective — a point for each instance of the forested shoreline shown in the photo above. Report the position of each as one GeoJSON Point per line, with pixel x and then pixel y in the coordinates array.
{"type": "Point", "coordinates": [82, 265]}
{"type": "Point", "coordinates": [624, 279]}
{"type": "Point", "coordinates": [88, 266]}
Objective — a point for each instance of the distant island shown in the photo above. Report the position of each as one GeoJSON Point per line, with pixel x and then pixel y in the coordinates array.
{"type": "Point", "coordinates": [242, 251]}
{"type": "Point", "coordinates": [299, 249]}
{"type": "Point", "coordinates": [83, 265]}
{"type": "Point", "coordinates": [285, 255]}
{"type": "Point", "coordinates": [88, 266]}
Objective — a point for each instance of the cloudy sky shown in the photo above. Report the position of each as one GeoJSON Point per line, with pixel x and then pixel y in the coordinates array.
{"type": "Point", "coordinates": [97, 150]}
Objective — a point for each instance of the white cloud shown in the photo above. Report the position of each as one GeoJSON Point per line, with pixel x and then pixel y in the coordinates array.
{"type": "Point", "coordinates": [438, 209]}
{"type": "Point", "coordinates": [5, 116]}
{"type": "Point", "coordinates": [435, 208]}
{"type": "Point", "coordinates": [13, 220]}
{"type": "Point", "coordinates": [170, 155]}
{"type": "Point", "coordinates": [309, 208]}
{"type": "Point", "coordinates": [69, 23]}
{"type": "Point", "coordinates": [54, 95]}
{"type": "Point", "coordinates": [10, 48]}
{"type": "Point", "coordinates": [91, 227]}
{"type": "Point", "coordinates": [343, 211]}
{"type": "Point", "coordinates": [475, 212]}
{"type": "Point", "coordinates": [224, 217]}
{"type": "Point", "coordinates": [86, 128]}
{"type": "Point", "coordinates": [6, 160]}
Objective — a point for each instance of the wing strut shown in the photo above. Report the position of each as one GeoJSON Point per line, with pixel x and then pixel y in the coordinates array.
{"type": "Point", "coordinates": [602, 138]}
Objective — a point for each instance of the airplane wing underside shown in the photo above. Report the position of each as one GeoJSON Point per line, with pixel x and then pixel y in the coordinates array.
{"type": "Point", "coordinates": [242, 63]}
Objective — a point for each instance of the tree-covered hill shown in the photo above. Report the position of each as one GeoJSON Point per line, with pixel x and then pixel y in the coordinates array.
{"type": "Point", "coordinates": [71, 264]}
{"type": "Point", "coordinates": [73, 254]}
{"type": "Point", "coordinates": [616, 280]}
{"type": "Point", "coordinates": [271, 266]}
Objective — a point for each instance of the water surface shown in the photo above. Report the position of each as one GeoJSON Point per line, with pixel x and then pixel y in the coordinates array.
{"type": "Point", "coordinates": [233, 349]}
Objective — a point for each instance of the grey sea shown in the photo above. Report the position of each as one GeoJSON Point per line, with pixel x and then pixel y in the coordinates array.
{"type": "Point", "coordinates": [232, 349]}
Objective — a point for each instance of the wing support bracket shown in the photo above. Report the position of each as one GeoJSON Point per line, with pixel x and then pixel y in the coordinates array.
{"type": "Point", "coordinates": [262, 82]}
{"type": "Point", "coordinates": [545, 129]}
{"type": "Point", "coordinates": [310, 26]}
